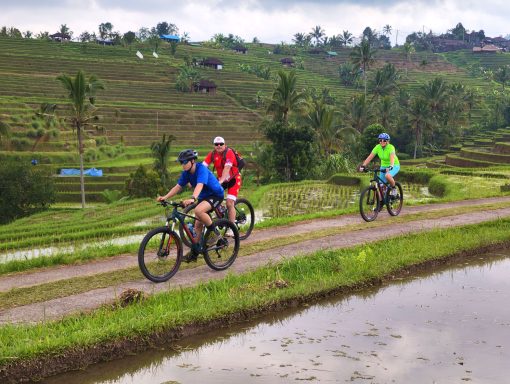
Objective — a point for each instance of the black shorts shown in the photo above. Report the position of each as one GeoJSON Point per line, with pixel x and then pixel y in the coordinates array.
{"type": "Point", "coordinates": [213, 200]}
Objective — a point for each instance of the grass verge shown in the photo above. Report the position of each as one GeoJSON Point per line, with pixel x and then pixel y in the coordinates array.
{"type": "Point", "coordinates": [297, 279]}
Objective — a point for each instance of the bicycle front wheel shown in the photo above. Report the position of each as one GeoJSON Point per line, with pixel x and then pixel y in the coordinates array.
{"type": "Point", "coordinates": [245, 218]}
{"type": "Point", "coordinates": [395, 202]}
{"type": "Point", "coordinates": [369, 204]}
{"type": "Point", "coordinates": [220, 248]}
{"type": "Point", "coordinates": [160, 254]}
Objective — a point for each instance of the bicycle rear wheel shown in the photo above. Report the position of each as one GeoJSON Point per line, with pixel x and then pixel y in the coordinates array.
{"type": "Point", "coordinates": [187, 220]}
{"type": "Point", "coordinates": [369, 204]}
{"type": "Point", "coordinates": [221, 250]}
{"type": "Point", "coordinates": [245, 218]}
{"type": "Point", "coordinates": [394, 203]}
{"type": "Point", "coordinates": [160, 254]}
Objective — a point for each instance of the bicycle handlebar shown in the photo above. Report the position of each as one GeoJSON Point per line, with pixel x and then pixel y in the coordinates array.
{"type": "Point", "coordinates": [174, 204]}
{"type": "Point", "coordinates": [376, 169]}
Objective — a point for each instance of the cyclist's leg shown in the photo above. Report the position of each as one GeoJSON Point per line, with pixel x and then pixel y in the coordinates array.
{"type": "Point", "coordinates": [391, 174]}
{"type": "Point", "coordinates": [232, 194]}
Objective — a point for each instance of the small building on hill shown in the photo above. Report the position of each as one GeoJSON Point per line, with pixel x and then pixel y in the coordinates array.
{"type": "Point", "coordinates": [60, 37]}
{"type": "Point", "coordinates": [287, 62]}
{"type": "Point", "coordinates": [331, 55]}
{"type": "Point", "coordinates": [240, 49]}
{"type": "Point", "coordinates": [170, 38]}
{"type": "Point", "coordinates": [487, 48]}
{"type": "Point", "coordinates": [212, 62]}
{"type": "Point", "coordinates": [104, 42]}
{"type": "Point", "coordinates": [206, 86]}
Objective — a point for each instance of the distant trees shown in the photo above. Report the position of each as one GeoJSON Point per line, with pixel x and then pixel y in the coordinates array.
{"type": "Point", "coordinates": [188, 78]}
{"type": "Point", "coordinates": [105, 30]}
{"type": "Point", "coordinates": [502, 75]}
{"type": "Point", "coordinates": [161, 153]}
{"type": "Point", "coordinates": [318, 34]}
{"type": "Point", "coordinates": [286, 98]}
{"type": "Point", "coordinates": [164, 28]}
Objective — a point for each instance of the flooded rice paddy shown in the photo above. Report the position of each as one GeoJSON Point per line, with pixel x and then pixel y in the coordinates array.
{"type": "Point", "coordinates": [449, 326]}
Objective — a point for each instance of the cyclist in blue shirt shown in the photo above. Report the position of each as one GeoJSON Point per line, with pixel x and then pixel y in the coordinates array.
{"type": "Point", "coordinates": [207, 190]}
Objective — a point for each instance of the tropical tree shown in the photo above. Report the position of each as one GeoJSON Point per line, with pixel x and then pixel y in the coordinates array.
{"type": "Point", "coordinates": [408, 51]}
{"type": "Point", "coordinates": [317, 33]}
{"type": "Point", "coordinates": [45, 120]}
{"type": "Point", "coordinates": [286, 98]}
{"type": "Point", "coordinates": [105, 30]}
{"type": "Point", "coordinates": [82, 96]}
{"type": "Point", "coordinates": [161, 152]}
{"type": "Point", "coordinates": [357, 113]}
{"type": "Point", "coordinates": [363, 56]}
{"type": "Point", "coordinates": [64, 30]}
{"type": "Point", "coordinates": [386, 111]}
{"type": "Point", "coordinates": [349, 74]}
{"type": "Point", "coordinates": [346, 38]}
{"type": "Point", "coordinates": [187, 78]}
{"type": "Point", "coordinates": [435, 93]}
{"type": "Point", "coordinates": [322, 119]}
{"type": "Point", "coordinates": [385, 81]}
{"type": "Point", "coordinates": [421, 118]}
{"type": "Point", "coordinates": [164, 28]}
{"type": "Point", "coordinates": [299, 39]}
{"type": "Point", "coordinates": [371, 35]}
{"type": "Point", "coordinates": [387, 29]}
{"type": "Point", "coordinates": [502, 75]}
{"type": "Point", "coordinates": [129, 37]}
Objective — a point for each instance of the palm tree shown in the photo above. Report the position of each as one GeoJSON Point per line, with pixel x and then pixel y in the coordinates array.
{"type": "Point", "coordinates": [387, 29]}
{"type": "Point", "coordinates": [346, 38]}
{"type": "Point", "coordinates": [188, 78]}
{"type": "Point", "coordinates": [286, 98]}
{"type": "Point", "coordinates": [82, 93]}
{"type": "Point", "coordinates": [386, 109]}
{"type": "Point", "coordinates": [420, 118]}
{"type": "Point", "coordinates": [502, 75]}
{"type": "Point", "coordinates": [323, 121]}
{"type": "Point", "coordinates": [408, 52]}
{"type": "Point", "coordinates": [435, 92]}
{"type": "Point", "coordinates": [160, 152]}
{"type": "Point", "coordinates": [357, 113]}
{"type": "Point", "coordinates": [299, 39]}
{"type": "Point", "coordinates": [64, 30]}
{"type": "Point", "coordinates": [385, 81]}
{"type": "Point", "coordinates": [363, 56]}
{"type": "Point", "coordinates": [317, 33]}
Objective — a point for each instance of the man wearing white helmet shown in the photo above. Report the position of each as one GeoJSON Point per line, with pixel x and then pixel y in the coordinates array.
{"type": "Point", "coordinates": [225, 163]}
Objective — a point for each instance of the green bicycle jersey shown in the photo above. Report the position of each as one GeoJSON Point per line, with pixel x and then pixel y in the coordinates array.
{"type": "Point", "coordinates": [384, 154]}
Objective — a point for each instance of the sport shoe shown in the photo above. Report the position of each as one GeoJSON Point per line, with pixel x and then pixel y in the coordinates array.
{"type": "Point", "coordinates": [191, 256]}
{"type": "Point", "coordinates": [229, 232]}
{"type": "Point", "coordinates": [393, 192]}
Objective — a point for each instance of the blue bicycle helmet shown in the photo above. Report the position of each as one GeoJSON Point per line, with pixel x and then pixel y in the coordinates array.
{"type": "Point", "coordinates": [384, 136]}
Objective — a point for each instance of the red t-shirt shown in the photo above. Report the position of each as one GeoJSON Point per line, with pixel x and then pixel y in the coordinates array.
{"type": "Point", "coordinates": [217, 159]}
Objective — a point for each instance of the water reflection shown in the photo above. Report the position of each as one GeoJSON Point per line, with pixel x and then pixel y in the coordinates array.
{"type": "Point", "coordinates": [451, 326]}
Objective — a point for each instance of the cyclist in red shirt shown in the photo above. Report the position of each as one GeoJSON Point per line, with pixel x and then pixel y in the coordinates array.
{"type": "Point", "coordinates": [225, 163]}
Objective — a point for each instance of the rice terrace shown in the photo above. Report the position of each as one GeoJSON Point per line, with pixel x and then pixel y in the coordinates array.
{"type": "Point", "coordinates": [91, 126]}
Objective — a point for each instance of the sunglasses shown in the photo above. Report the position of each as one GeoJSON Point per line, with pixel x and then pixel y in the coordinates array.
{"type": "Point", "coordinates": [184, 162]}
{"type": "Point", "coordinates": [218, 144]}
{"type": "Point", "coordinates": [382, 141]}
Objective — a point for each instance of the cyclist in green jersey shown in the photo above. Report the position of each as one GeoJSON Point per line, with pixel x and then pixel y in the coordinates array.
{"type": "Point", "coordinates": [389, 160]}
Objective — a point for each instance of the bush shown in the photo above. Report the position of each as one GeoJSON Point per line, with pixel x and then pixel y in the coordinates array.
{"type": "Point", "coordinates": [439, 186]}
{"type": "Point", "coordinates": [334, 164]}
{"type": "Point", "coordinates": [25, 189]}
{"type": "Point", "coordinates": [143, 183]}
{"type": "Point", "coordinates": [91, 154]}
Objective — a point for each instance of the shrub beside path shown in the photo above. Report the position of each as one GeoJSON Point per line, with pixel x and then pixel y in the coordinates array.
{"type": "Point", "coordinates": [83, 302]}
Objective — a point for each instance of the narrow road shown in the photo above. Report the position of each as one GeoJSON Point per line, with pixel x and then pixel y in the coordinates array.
{"type": "Point", "coordinates": [57, 308]}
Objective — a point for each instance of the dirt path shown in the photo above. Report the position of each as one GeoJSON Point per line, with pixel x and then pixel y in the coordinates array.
{"type": "Point", "coordinates": [57, 308]}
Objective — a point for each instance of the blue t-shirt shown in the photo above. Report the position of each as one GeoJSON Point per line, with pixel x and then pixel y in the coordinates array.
{"type": "Point", "coordinates": [202, 175]}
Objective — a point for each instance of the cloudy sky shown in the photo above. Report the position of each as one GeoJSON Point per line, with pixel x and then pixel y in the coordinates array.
{"type": "Point", "coordinates": [271, 21]}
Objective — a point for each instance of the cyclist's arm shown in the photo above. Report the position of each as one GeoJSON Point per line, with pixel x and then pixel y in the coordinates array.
{"type": "Point", "coordinates": [368, 159]}
{"type": "Point", "coordinates": [392, 159]}
{"type": "Point", "coordinates": [174, 191]}
{"type": "Point", "coordinates": [225, 174]}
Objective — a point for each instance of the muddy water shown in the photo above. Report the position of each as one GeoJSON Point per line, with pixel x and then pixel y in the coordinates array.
{"type": "Point", "coordinates": [451, 326]}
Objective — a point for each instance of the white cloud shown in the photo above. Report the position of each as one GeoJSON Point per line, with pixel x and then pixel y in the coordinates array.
{"type": "Point", "coordinates": [270, 21]}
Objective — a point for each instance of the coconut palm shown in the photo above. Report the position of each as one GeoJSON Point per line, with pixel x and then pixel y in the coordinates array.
{"type": "Point", "coordinates": [286, 98]}
{"type": "Point", "coordinates": [387, 29]}
{"type": "Point", "coordinates": [317, 33]}
{"type": "Point", "coordinates": [502, 75]}
{"type": "Point", "coordinates": [357, 113]}
{"type": "Point", "coordinates": [420, 118]}
{"type": "Point", "coordinates": [346, 38]}
{"type": "Point", "coordinates": [385, 81]}
{"type": "Point", "coordinates": [363, 56]}
{"type": "Point", "coordinates": [323, 121]}
{"type": "Point", "coordinates": [82, 96]}
{"type": "Point", "coordinates": [408, 51]}
{"type": "Point", "coordinates": [386, 111]}
{"type": "Point", "coordinates": [435, 92]}
{"type": "Point", "coordinates": [161, 152]}
{"type": "Point", "coordinates": [188, 78]}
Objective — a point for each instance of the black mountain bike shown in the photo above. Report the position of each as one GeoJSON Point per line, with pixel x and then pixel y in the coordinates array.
{"type": "Point", "coordinates": [161, 251]}
{"type": "Point", "coordinates": [244, 221]}
{"type": "Point", "coordinates": [378, 194]}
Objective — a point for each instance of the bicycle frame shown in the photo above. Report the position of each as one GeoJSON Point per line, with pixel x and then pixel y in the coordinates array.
{"type": "Point", "coordinates": [379, 183]}
{"type": "Point", "coordinates": [179, 216]}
